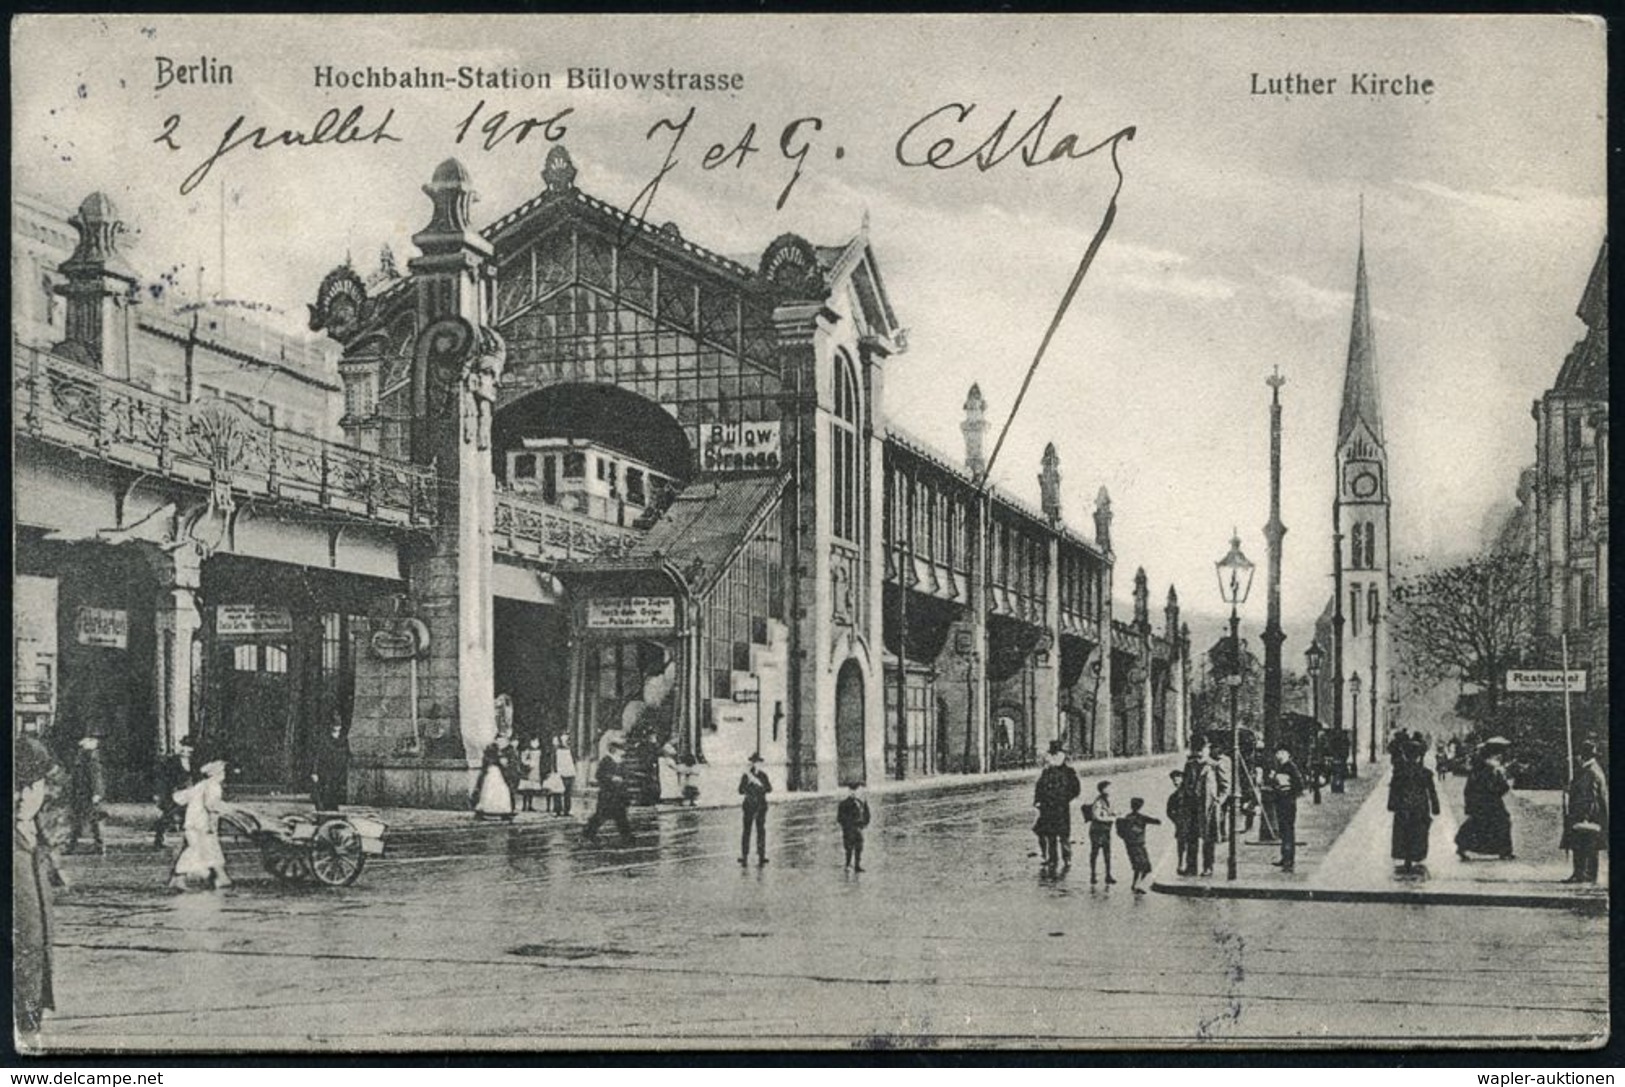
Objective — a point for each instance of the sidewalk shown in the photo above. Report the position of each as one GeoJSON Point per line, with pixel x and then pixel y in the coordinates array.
{"type": "Point", "coordinates": [129, 826]}
{"type": "Point", "coordinates": [1357, 866]}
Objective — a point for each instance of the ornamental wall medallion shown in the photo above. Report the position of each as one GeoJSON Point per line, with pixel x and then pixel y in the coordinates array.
{"type": "Point", "coordinates": [342, 306]}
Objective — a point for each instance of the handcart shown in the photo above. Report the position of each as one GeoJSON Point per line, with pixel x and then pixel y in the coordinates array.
{"type": "Point", "coordinates": [328, 847]}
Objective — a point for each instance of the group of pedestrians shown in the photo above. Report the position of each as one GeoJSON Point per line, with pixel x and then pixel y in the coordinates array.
{"type": "Point", "coordinates": [510, 778]}
{"type": "Point", "coordinates": [1057, 787]}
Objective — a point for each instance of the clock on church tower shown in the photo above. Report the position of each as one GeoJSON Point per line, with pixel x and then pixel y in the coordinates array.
{"type": "Point", "coordinates": [1362, 480]}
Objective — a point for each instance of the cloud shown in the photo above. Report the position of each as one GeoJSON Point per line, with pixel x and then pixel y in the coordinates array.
{"type": "Point", "coordinates": [1178, 285]}
{"type": "Point", "coordinates": [1520, 205]}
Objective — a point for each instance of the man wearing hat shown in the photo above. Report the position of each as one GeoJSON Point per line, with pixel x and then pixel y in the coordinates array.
{"type": "Point", "coordinates": [88, 787]}
{"type": "Point", "coordinates": [613, 797]}
{"type": "Point", "coordinates": [754, 787]}
{"type": "Point", "coordinates": [1286, 785]}
{"type": "Point", "coordinates": [1585, 820]}
{"type": "Point", "coordinates": [1181, 815]}
{"type": "Point", "coordinates": [174, 773]}
{"type": "Point", "coordinates": [1057, 788]}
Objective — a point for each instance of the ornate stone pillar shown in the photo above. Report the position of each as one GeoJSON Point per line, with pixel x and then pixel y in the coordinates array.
{"type": "Point", "coordinates": [424, 716]}
{"type": "Point", "coordinates": [177, 623]}
{"type": "Point", "coordinates": [98, 291]}
{"type": "Point", "coordinates": [1047, 657]}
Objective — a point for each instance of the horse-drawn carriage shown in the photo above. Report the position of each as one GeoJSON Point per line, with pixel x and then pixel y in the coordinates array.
{"type": "Point", "coordinates": [328, 847]}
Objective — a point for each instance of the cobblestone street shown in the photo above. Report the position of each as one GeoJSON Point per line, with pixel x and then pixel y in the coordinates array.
{"type": "Point", "coordinates": [528, 937]}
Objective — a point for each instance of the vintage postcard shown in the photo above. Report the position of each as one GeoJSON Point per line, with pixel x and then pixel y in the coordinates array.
{"type": "Point", "coordinates": [643, 532]}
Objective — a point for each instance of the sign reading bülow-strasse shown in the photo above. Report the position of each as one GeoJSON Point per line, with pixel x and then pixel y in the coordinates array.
{"type": "Point", "coordinates": [1536, 679]}
{"type": "Point", "coordinates": [739, 447]}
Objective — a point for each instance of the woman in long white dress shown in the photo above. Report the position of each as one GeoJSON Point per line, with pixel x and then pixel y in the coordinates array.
{"type": "Point", "coordinates": [493, 799]}
{"type": "Point", "coordinates": [671, 778]}
{"type": "Point", "coordinates": [202, 856]}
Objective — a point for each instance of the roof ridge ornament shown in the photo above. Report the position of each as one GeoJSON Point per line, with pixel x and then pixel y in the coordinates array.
{"type": "Point", "coordinates": [559, 171]}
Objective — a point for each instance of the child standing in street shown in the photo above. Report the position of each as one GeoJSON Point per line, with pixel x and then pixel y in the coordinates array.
{"type": "Point", "coordinates": [1100, 817]}
{"type": "Point", "coordinates": [1131, 828]}
{"type": "Point", "coordinates": [530, 773]}
{"type": "Point", "coordinates": [853, 816]}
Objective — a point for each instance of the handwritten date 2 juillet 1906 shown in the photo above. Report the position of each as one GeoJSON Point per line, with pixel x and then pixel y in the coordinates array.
{"type": "Point", "coordinates": [943, 138]}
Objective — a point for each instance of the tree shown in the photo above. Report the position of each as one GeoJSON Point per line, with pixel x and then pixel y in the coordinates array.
{"type": "Point", "coordinates": [1469, 622]}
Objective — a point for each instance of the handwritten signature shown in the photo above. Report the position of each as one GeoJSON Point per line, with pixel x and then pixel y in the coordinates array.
{"type": "Point", "coordinates": [945, 138]}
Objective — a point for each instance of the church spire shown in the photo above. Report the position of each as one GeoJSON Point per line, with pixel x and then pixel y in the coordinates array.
{"type": "Point", "coordinates": [1360, 401]}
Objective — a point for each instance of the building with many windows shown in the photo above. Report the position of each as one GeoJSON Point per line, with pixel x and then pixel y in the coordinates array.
{"type": "Point", "coordinates": [640, 489]}
{"type": "Point", "coordinates": [1570, 495]}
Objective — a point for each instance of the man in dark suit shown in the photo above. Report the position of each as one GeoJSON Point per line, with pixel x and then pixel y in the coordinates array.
{"type": "Point", "coordinates": [1286, 785]}
{"type": "Point", "coordinates": [88, 789]}
{"type": "Point", "coordinates": [330, 770]}
{"type": "Point", "coordinates": [613, 796]}
{"type": "Point", "coordinates": [754, 787]}
{"type": "Point", "coordinates": [1585, 822]}
{"type": "Point", "coordinates": [174, 772]}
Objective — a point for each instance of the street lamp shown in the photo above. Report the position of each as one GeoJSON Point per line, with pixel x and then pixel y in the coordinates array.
{"type": "Point", "coordinates": [1315, 658]}
{"type": "Point", "coordinates": [1094, 704]}
{"type": "Point", "coordinates": [1374, 615]}
{"type": "Point", "coordinates": [1235, 573]}
{"type": "Point", "coordinates": [1354, 725]}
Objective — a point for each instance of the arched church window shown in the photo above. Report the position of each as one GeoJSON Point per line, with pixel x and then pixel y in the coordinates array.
{"type": "Point", "coordinates": [1371, 545]}
{"type": "Point", "coordinates": [844, 489]}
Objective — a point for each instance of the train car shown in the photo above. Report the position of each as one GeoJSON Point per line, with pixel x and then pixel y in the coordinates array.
{"type": "Point", "coordinates": [589, 478]}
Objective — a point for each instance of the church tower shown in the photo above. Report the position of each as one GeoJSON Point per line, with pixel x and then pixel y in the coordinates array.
{"type": "Point", "coordinates": [1360, 519]}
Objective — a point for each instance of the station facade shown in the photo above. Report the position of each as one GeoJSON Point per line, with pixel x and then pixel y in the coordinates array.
{"type": "Point", "coordinates": [638, 488]}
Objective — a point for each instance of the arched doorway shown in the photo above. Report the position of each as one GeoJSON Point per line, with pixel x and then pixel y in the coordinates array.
{"type": "Point", "coordinates": [849, 740]}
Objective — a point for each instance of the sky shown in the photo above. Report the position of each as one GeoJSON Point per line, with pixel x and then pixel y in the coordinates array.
{"type": "Point", "coordinates": [1232, 251]}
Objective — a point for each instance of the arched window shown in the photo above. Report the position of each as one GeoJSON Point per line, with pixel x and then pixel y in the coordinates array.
{"type": "Point", "coordinates": [1371, 545]}
{"type": "Point", "coordinates": [845, 489]}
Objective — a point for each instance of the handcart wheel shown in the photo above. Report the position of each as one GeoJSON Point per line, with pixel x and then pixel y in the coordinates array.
{"type": "Point", "coordinates": [336, 858]}
{"type": "Point", "coordinates": [286, 863]}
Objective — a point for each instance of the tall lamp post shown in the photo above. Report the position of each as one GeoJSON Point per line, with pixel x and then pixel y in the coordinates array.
{"type": "Point", "coordinates": [1235, 573]}
{"type": "Point", "coordinates": [1354, 726]}
{"type": "Point", "coordinates": [1314, 658]}
{"type": "Point", "coordinates": [1375, 615]}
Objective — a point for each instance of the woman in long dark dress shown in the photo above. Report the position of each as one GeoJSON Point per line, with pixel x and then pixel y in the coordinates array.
{"type": "Point", "coordinates": [1488, 827]}
{"type": "Point", "coordinates": [31, 995]}
{"type": "Point", "coordinates": [1414, 800]}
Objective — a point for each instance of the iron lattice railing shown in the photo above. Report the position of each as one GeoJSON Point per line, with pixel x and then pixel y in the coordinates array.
{"type": "Point", "coordinates": [533, 529]}
{"type": "Point", "coordinates": [209, 443]}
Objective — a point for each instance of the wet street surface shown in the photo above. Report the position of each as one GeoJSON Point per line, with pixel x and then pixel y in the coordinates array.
{"type": "Point", "coordinates": [529, 937]}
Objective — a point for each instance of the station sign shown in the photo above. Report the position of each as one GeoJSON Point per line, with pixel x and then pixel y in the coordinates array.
{"type": "Point", "coordinates": [1546, 680]}
{"type": "Point", "coordinates": [739, 447]}
{"type": "Point", "coordinates": [106, 627]}
{"type": "Point", "coordinates": [251, 620]}
{"type": "Point", "coordinates": [631, 613]}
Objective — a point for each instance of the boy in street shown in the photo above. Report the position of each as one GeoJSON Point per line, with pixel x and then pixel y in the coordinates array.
{"type": "Point", "coordinates": [1101, 817]}
{"type": "Point", "coordinates": [853, 816]}
{"type": "Point", "coordinates": [1179, 814]}
{"type": "Point", "coordinates": [1131, 828]}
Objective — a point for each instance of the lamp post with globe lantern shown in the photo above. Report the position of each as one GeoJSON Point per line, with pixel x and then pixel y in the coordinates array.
{"type": "Point", "coordinates": [1235, 573]}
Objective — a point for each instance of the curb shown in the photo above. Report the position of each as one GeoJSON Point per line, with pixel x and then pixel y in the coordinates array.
{"type": "Point", "coordinates": [1586, 904]}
